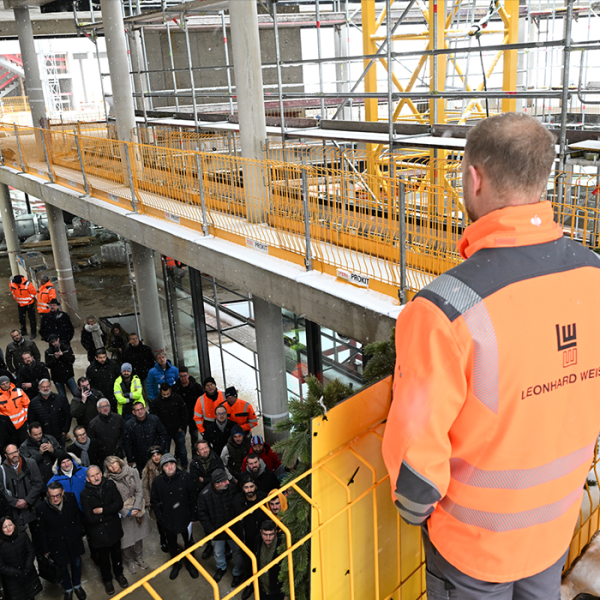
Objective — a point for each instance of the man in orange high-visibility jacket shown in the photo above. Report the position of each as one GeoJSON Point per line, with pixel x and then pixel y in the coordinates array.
{"type": "Point", "coordinates": [495, 411]}
{"type": "Point", "coordinates": [207, 403]}
{"type": "Point", "coordinates": [24, 294]}
{"type": "Point", "coordinates": [46, 292]}
{"type": "Point", "coordinates": [239, 411]}
{"type": "Point", "coordinates": [14, 404]}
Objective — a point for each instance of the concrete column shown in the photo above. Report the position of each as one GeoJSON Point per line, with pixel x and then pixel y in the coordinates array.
{"type": "Point", "coordinates": [33, 82]}
{"type": "Point", "coordinates": [145, 280]}
{"type": "Point", "coordinates": [250, 102]}
{"type": "Point", "coordinates": [271, 365]}
{"type": "Point", "coordinates": [10, 228]}
{"type": "Point", "coordinates": [62, 260]}
{"type": "Point", "coordinates": [118, 64]}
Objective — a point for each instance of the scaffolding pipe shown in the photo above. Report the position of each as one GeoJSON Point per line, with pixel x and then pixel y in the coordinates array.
{"type": "Point", "coordinates": [318, 19]}
{"type": "Point", "coordinates": [226, 48]}
{"type": "Point", "coordinates": [168, 25]}
{"type": "Point", "coordinates": [279, 82]}
{"type": "Point", "coordinates": [191, 72]}
{"type": "Point", "coordinates": [565, 85]}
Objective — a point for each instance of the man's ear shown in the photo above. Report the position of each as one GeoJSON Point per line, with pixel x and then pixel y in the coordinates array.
{"type": "Point", "coordinates": [476, 179]}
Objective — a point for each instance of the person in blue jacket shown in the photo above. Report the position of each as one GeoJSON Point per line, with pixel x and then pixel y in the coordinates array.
{"type": "Point", "coordinates": [70, 474]}
{"type": "Point", "coordinates": [162, 372]}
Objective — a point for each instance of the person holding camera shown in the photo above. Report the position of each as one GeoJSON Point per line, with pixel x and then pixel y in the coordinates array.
{"type": "Point", "coordinates": [84, 401]}
{"type": "Point", "coordinates": [59, 359]}
{"type": "Point", "coordinates": [42, 448]}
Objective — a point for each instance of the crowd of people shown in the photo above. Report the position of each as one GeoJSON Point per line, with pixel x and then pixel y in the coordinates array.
{"type": "Point", "coordinates": [125, 464]}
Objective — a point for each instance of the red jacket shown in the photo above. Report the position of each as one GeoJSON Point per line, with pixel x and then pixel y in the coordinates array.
{"type": "Point", "coordinates": [495, 414]}
{"type": "Point", "coordinates": [269, 457]}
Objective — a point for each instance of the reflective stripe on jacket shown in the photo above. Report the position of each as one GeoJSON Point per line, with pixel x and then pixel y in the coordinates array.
{"type": "Point", "coordinates": [242, 413]}
{"type": "Point", "coordinates": [44, 295]}
{"type": "Point", "coordinates": [24, 293]}
{"type": "Point", "coordinates": [205, 409]}
{"type": "Point", "coordinates": [495, 414]}
{"type": "Point", "coordinates": [14, 404]}
{"type": "Point", "coordinates": [125, 404]}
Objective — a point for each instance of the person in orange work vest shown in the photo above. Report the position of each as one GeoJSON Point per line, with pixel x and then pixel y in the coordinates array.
{"type": "Point", "coordinates": [207, 403]}
{"type": "Point", "coordinates": [495, 412]}
{"type": "Point", "coordinates": [24, 294]}
{"type": "Point", "coordinates": [46, 292]}
{"type": "Point", "coordinates": [239, 411]}
{"type": "Point", "coordinates": [14, 404]}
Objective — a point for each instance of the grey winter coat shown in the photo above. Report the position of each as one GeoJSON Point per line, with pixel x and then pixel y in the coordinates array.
{"type": "Point", "coordinates": [25, 483]}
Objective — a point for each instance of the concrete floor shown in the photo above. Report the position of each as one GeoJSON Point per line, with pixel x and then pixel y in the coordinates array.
{"type": "Point", "coordinates": [106, 291]}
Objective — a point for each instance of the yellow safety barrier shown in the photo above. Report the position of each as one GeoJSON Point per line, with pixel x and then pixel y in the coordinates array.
{"type": "Point", "coordinates": [353, 212]}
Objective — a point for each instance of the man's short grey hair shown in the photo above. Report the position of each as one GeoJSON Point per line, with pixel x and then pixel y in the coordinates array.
{"type": "Point", "coordinates": [44, 381]}
{"type": "Point", "coordinates": [102, 401]}
{"type": "Point", "coordinates": [516, 152]}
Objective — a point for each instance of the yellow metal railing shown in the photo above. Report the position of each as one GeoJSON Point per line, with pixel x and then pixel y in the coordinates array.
{"type": "Point", "coordinates": [14, 104]}
{"type": "Point", "coordinates": [353, 211]}
{"type": "Point", "coordinates": [589, 515]}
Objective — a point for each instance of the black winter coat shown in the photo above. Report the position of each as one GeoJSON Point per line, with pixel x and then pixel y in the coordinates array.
{"type": "Point", "coordinates": [217, 438]}
{"type": "Point", "coordinates": [235, 455]}
{"type": "Point", "coordinates": [52, 413]}
{"type": "Point", "coordinates": [58, 322]}
{"type": "Point", "coordinates": [140, 435]}
{"type": "Point", "coordinates": [215, 509]}
{"type": "Point", "coordinates": [197, 470]}
{"type": "Point", "coordinates": [103, 529]}
{"type": "Point", "coordinates": [173, 501]}
{"type": "Point", "coordinates": [19, 577]}
{"type": "Point", "coordinates": [61, 532]}
{"type": "Point", "coordinates": [26, 484]}
{"type": "Point", "coordinates": [87, 341]}
{"type": "Point", "coordinates": [33, 374]}
{"type": "Point", "coordinates": [102, 377]}
{"type": "Point", "coordinates": [190, 394]}
{"type": "Point", "coordinates": [108, 431]}
{"type": "Point", "coordinates": [61, 367]}
{"type": "Point", "coordinates": [171, 412]}
{"type": "Point", "coordinates": [250, 524]}
{"type": "Point", "coordinates": [141, 359]}
{"type": "Point", "coordinates": [44, 460]}
{"type": "Point", "coordinates": [14, 353]}
{"type": "Point", "coordinates": [84, 412]}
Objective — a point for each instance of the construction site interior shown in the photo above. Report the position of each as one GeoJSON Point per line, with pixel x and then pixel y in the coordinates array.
{"type": "Point", "coordinates": [302, 159]}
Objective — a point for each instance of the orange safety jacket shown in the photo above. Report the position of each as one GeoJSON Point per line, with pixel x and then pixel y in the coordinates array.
{"type": "Point", "coordinates": [205, 409]}
{"type": "Point", "coordinates": [24, 293]}
{"type": "Point", "coordinates": [242, 413]}
{"type": "Point", "coordinates": [44, 295]}
{"type": "Point", "coordinates": [14, 404]}
{"type": "Point", "coordinates": [495, 411]}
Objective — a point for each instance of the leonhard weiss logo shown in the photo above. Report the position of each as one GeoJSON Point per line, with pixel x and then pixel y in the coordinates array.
{"type": "Point", "coordinates": [566, 339]}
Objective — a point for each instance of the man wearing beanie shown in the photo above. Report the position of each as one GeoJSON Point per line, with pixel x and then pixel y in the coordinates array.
{"type": "Point", "coordinates": [24, 294]}
{"type": "Point", "coordinates": [173, 501]}
{"type": "Point", "coordinates": [204, 411]}
{"type": "Point", "coordinates": [215, 509]}
{"type": "Point", "coordinates": [127, 390]}
{"type": "Point", "coordinates": [240, 411]}
{"type": "Point", "coordinates": [234, 452]}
